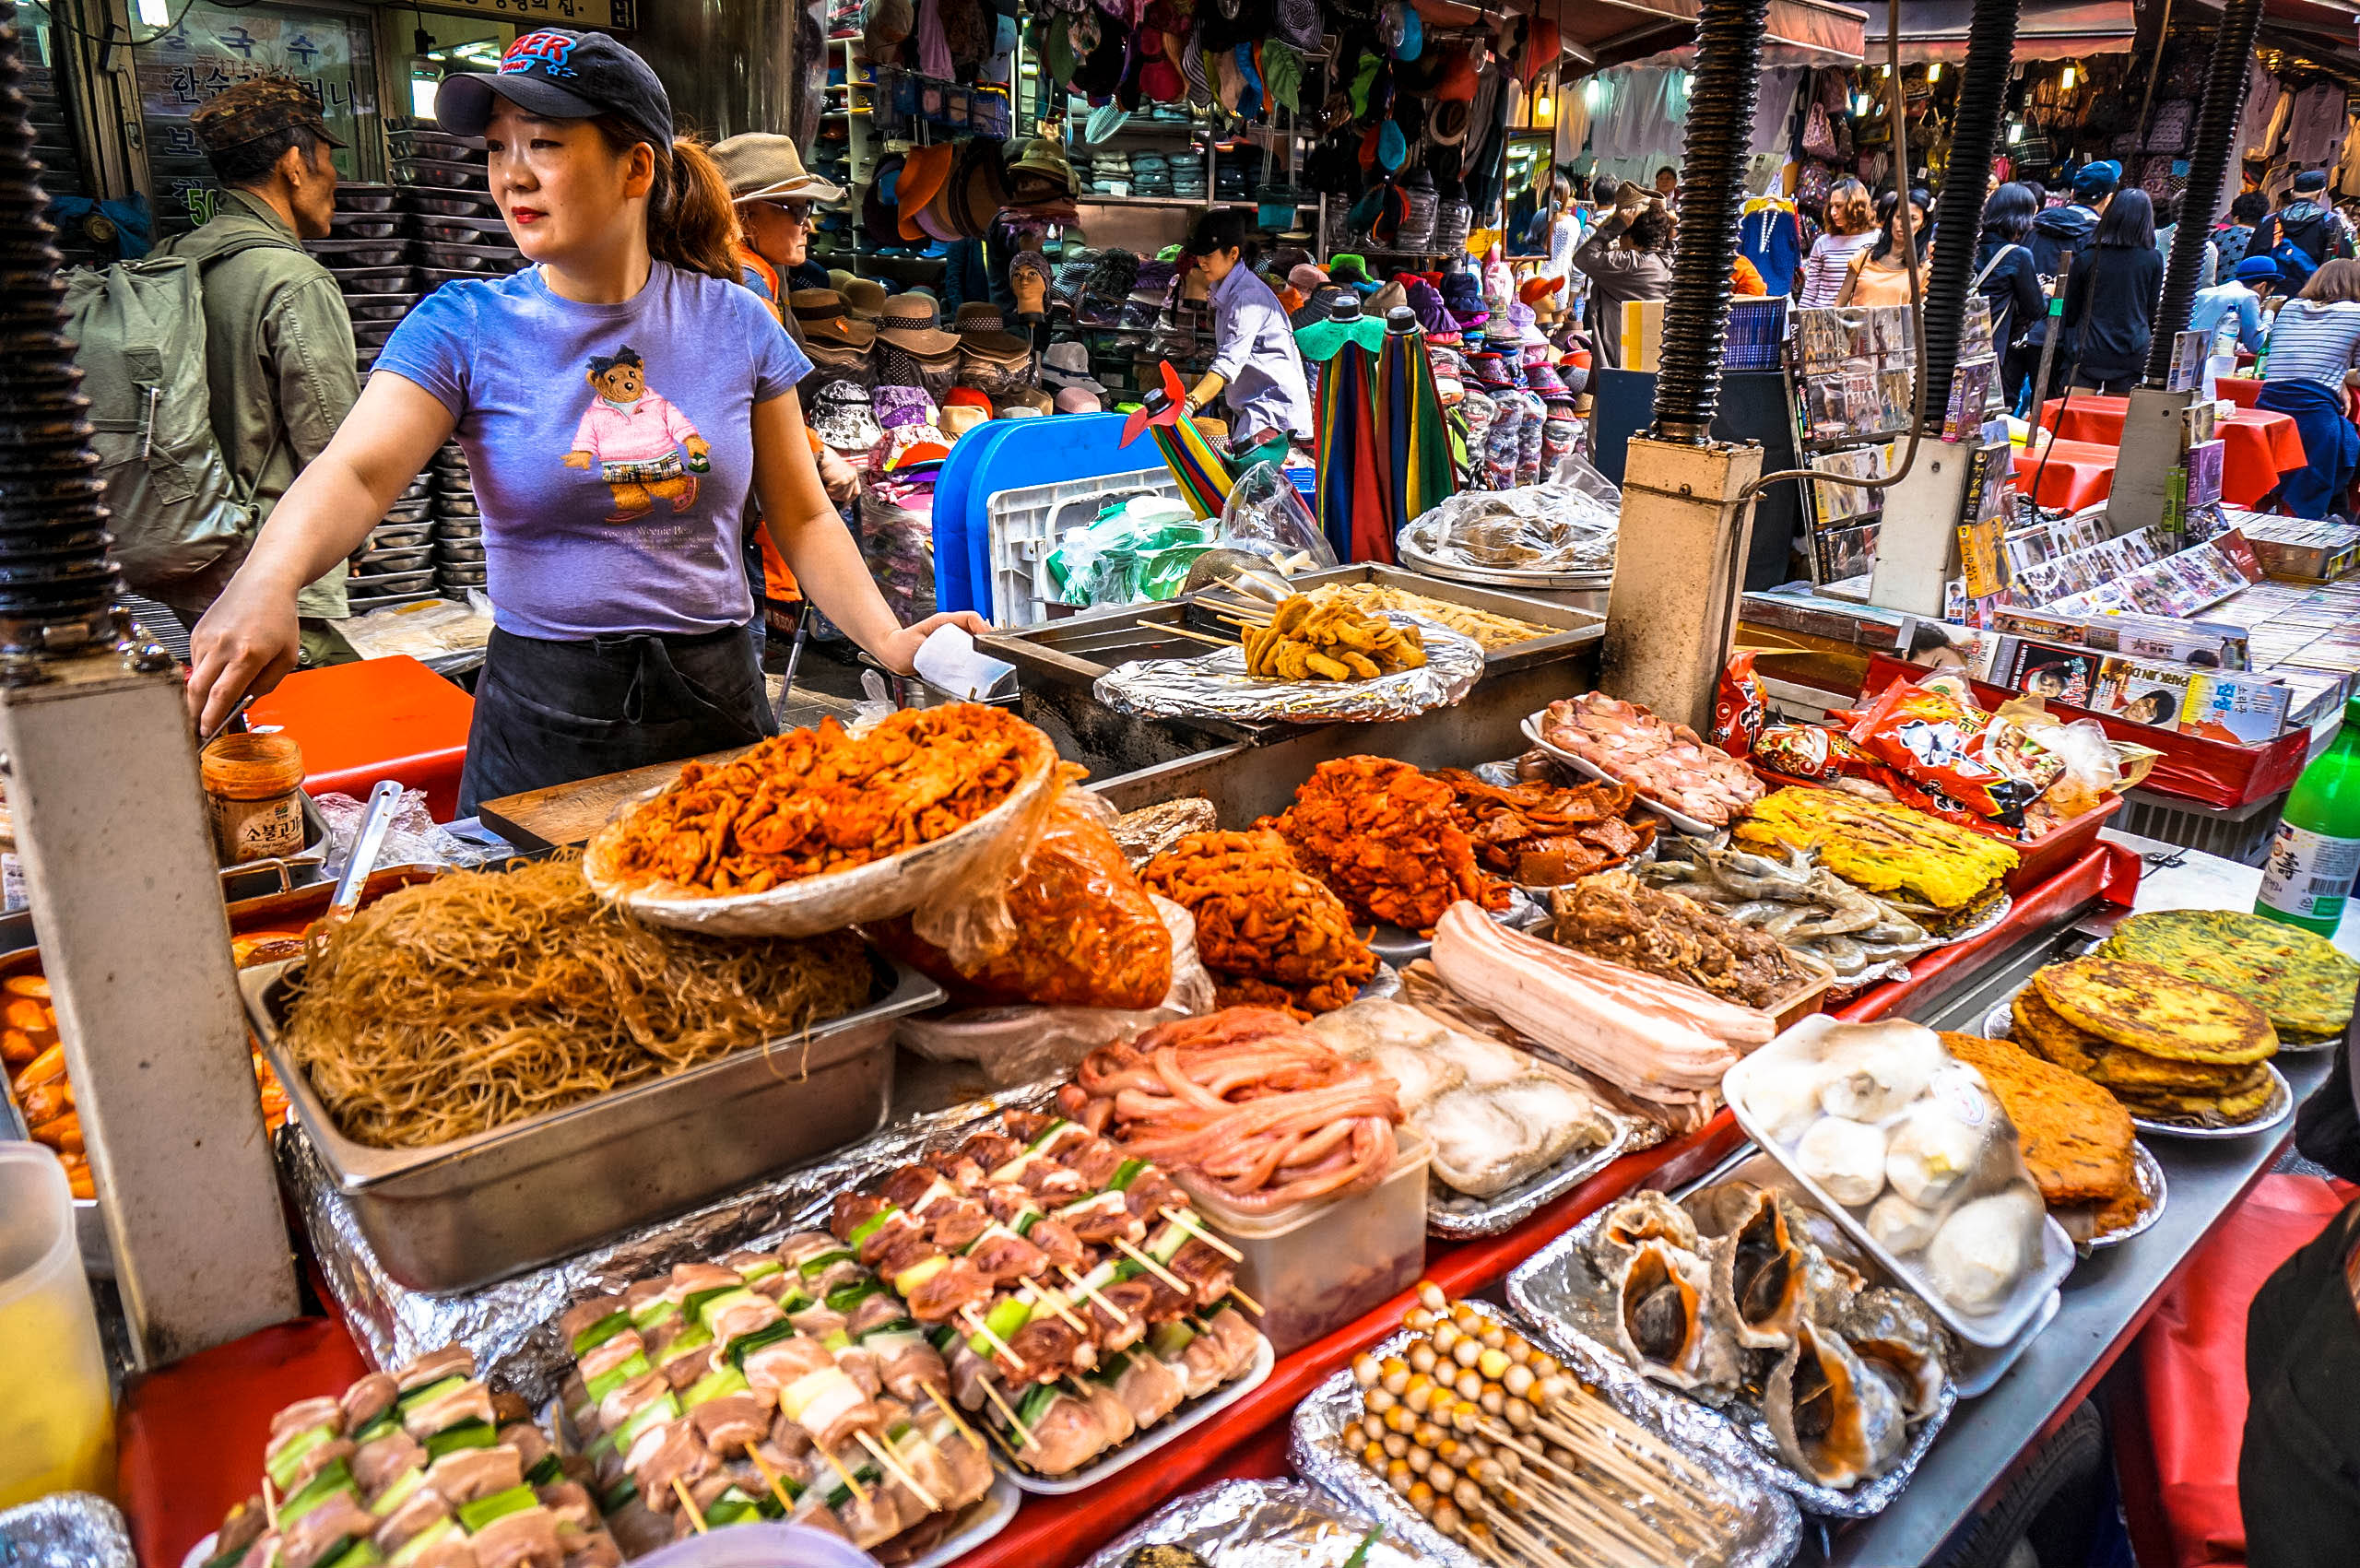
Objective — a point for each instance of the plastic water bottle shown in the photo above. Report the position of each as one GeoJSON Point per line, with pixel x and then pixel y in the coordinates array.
{"type": "Point", "coordinates": [2315, 855]}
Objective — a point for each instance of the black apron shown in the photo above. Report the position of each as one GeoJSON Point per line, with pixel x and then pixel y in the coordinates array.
{"type": "Point", "coordinates": [2298, 1473]}
{"type": "Point", "coordinates": [551, 713]}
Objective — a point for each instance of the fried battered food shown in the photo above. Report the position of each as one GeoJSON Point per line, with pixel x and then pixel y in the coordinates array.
{"type": "Point", "coordinates": [1614, 915]}
{"type": "Point", "coordinates": [811, 801]}
{"type": "Point", "coordinates": [2209, 1091]}
{"type": "Point", "coordinates": [1270, 933]}
{"type": "Point", "coordinates": [2076, 1139]}
{"type": "Point", "coordinates": [1883, 849]}
{"type": "Point", "coordinates": [1491, 631]}
{"type": "Point", "coordinates": [1541, 835]}
{"type": "Point", "coordinates": [1312, 638]}
{"type": "Point", "coordinates": [482, 998]}
{"type": "Point", "coordinates": [2155, 1012]}
{"type": "Point", "coordinates": [1380, 833]}
{"type": "Point", "coordinates": [2300, 980]}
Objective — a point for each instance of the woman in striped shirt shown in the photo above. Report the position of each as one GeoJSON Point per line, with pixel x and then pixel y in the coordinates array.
{"type": "Point", "coordinates": [2313, 343]}
{"type": "Point", "coordinates": [1851, 229]}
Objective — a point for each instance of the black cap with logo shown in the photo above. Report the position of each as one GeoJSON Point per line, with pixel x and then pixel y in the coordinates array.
{"type": "Point", "coordinates": [560, 74]}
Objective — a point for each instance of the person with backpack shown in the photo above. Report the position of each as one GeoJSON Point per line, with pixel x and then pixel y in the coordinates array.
{"type": "Point", "coordinates": [2110, 302]}
{"type": "Point", "coordinates": [2009, 281]}
{"type": "Point", "coordinates": [2058, 232]}
{"type": "Point", "coordinates": [2304, 234]}
{"type": "Point", "coordinates": [620, 400]}
{"type": "Point", "coordinates": [279, 369]}
{"type": "Point", "coordinates": [2233, 236]}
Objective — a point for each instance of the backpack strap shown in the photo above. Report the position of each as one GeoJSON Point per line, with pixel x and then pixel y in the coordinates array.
{"type": "Point", "coordinates": [1992, 266]}
{"type": "Point", "coordinates": [239, 246]}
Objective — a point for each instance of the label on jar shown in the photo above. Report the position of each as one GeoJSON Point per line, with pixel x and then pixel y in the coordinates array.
{"type": "Point", "coordinates": [2308, 875]}
{"type": "Point", "coordinates": [257, 830]}
{"type": "Point", "coordinates": [13, 896]}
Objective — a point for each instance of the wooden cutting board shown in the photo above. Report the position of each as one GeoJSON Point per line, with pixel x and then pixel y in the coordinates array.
{"type": "Point", "coordinates": [568, 814]}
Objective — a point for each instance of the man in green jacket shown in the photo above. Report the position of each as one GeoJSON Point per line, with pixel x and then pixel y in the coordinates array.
{"type": "Point", "coordinates": [280, 364]}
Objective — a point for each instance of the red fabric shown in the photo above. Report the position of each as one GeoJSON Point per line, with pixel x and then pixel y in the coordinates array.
{"type": "Point", "coordinates": [189, 1437]}
{"type": "Point", "coordinates": [2078, 474]}
{"type": "Point", "coordinates": [2180, 1486]}
{"type": "Point", "coordinates": [390, 718]}
{"type": "Point", "coordinates": [2239, 390]}
{"type": "Point", "coordinates": [2257, 446]}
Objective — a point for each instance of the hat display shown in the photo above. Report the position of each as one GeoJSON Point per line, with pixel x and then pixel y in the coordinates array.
{"type": "Point", "coordinates": [925, 171]}
{"type": "Point", "coordinates": [842, 415]}
{"type": "Point", "coordinates": [1031, 402]}
{"type": "Point", "coordinates": [977, 189]}
{"type": "Point", "coordinates": [1029, 278]}
{"type": "Point", "coordinates": [980, 315]}
{"type": "Point", "coordinates": [1077, 400]}
{"type": "Point", "coordinates": [1042, 173]}
{"type": "Point", "coordinates": [959, 418]}
{"type": "Point", "coordinates": [820, 312]}
{"type": "Point", "coordinates": [1543, 379]}
{"type": "Point", "coordinates": [864, 298]}
{"type": "Point", "coordinates": [898, 406]}
{"type": "Point", "coordinates": [1064, 365]}
{"type": "Point", "coordinates": [913, 323]}
{"type": "Point", "coordinates": [564, 76]}
{"type": "Point", "coordinates": [764, 165]}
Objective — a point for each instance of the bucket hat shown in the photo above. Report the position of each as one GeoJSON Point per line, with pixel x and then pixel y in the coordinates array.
{"type": "Point", "coordinates": [913, 323]}
{"type": "Point", "coordinates": [764, 165]}
{"type": "Point", "coordinates": [1066, 365]}
{"type": "Point", "coordinates": [820, 312]}
{"type": "Point", "coordinates": [842, 415]}
{"type": "Point", "coordinates": [1077, 400]}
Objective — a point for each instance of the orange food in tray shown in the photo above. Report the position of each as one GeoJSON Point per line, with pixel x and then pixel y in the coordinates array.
{"type": "Point", "coordinates": [34, 1060]}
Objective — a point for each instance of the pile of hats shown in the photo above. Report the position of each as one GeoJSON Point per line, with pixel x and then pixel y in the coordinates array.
{"type": "Point", "coordinates": [913, 350]}
{"type": "Point", "coordinates": [1110, 172]}
{"type": "Point", "coordinates": [1065, 371]}
{"type": "Point", "coordinates": [1150, 174]}
{"type": "Point", "coordinates": [832, 335]}
{"type": "Point", "coordinates": [1188, 173]}
{"type": "Point", "coordinates": [992, 361]}
{"type": "Point", "coordinates": [1462, 296]}
{"type": "Point", "coordinates": [943, 191]}
{"type": "Point", "coordinates": [1236, 170]}
{"type": "Point", "coordinates": [1040, 174]}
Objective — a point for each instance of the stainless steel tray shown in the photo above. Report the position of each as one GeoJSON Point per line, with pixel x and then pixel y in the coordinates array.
{"type": "Point", "coordinates": [479, 1209]}
{"type": "Point", "coordinates": [2000, 1023]}
{"type": "Point", "coordinates": [1316, 1450]}
{"type": "Point", "coordinates": [1549, 1289]}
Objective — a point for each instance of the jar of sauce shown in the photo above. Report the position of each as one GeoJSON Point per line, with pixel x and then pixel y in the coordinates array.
{"type": "Point", "coordinates": [253, 795]}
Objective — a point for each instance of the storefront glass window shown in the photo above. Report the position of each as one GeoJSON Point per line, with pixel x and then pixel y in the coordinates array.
{"type": "Point", "coordinates": [208, 48]}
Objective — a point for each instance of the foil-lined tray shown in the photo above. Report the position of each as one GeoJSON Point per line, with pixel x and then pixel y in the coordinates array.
{"type": "Point", "coordinates": [512, 1325]}
{"type": "Point", "coordinates": [65, 1529]}
{"type": "Point", "coordinates": [1316, 1449]}
{"type": "Point", "coordinates": [1216, 685]}
{"type": "Point", "coordinates": [1557, 1289]}
{"type": "Point", "coordinates": [1456, 1216]}
{"type": "Point", "coordinates": [1261, 1523]}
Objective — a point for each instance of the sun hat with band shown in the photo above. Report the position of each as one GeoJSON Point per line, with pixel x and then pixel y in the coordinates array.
{"type": "Point", "coordinates": [820, 312]}
{"type": "Point", "coordinates": [912, 322]}
{"type": "Point", "coordinates": [762, 166]}
{"type": "Point", "coordinates": [560, 74]}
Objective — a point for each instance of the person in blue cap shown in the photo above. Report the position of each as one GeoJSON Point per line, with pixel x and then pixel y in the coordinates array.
{"type": "Point", "coordinates": [2059, 231]}
{"type": "Point", "coordinates": [2230, 314]}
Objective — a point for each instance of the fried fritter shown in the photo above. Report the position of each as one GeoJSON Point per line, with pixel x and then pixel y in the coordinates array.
{"type": "Point", "coordinates": [1269, 933]}
{"type": "Point", "coordinates": [1879, 848]}
{"type": "Point", "coordinates": [2301, 980]}
{"type": "Point", "coordinates": [1380, 834]}
{"type": "Point", "coordinates": [1312, 637]}
{"type": "Point", "coordinates": [2154, 1011]}
{"type": "Point", "coordinates": [2076, 1138]}
{"type": "Point", "coordinates": [2039, 1029]}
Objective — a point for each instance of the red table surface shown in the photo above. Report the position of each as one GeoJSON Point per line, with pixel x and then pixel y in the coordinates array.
{"type": "Point", "coordinates": [2239, 390]}
{"type": "Point", "coordinates": [2257, 446]}
{"type": "Point", "coordinates": [2077, 474]}
{"type": "Point", "coordinates": [192, 1435]}
{"type": "Point", "coordinates": [390, 718]}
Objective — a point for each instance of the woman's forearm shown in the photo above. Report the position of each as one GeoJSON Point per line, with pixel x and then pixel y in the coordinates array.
{"type": "Point", "coordinates": [325, 516]}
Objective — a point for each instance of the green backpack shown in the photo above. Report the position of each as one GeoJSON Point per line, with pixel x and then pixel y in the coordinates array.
{"type": "Point", "coordinates": [139, 330]}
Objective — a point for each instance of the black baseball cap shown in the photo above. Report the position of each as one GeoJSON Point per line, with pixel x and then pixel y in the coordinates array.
{"type": "Point", "coordinates": [561, 75]}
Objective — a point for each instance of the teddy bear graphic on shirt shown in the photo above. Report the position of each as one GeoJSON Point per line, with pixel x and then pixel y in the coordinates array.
{"type": "Point", "coordinates": [644, 448]}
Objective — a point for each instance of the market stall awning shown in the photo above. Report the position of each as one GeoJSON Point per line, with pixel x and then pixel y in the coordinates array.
{"type": "Point", "coordinates": [1936, 30]}
{"type": "Point", "coordinates": [1599, 33]}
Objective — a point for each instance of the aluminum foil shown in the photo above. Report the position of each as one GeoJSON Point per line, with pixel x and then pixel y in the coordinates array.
{"type": "Point", "coordinates": [1562, 1295]}
{"type": "Point", "coordinates": [1316, 1449]}
{"type": "Point", "coordinates": [512, 1325]}
{"type": "Point", "coordinates": [1456, 1216]}
{"type": "Point", "coordinates": [1260, 1524]}
{"type": "Point", "coordinates": [1217, 686]}
{"type": "Point", "coordinates": [69, 1529]}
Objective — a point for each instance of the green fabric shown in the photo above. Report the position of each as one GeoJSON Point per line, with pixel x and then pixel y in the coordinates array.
{"type": "Point", "coordinates": [1364, 79]}
{"type": "Point", "coordinates": [1273, 449]}
{"type": "Point", "coordinates": [1323, 340]}
{"type": "Point", "coordinates": [1282, 75]}
{"type": "Point", "coordinates": [278, 359]}
{"type": "Point", "coordinates": [1059, 58]}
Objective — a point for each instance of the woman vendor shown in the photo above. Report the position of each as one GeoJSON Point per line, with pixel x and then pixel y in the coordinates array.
{"type": "Point", "coordinates": [1254, 360]}
{"type": "Point", "coordinates": [617, 401]}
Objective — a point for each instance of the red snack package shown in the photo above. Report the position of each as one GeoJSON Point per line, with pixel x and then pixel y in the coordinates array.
{"type": "Point", "coordinates": [1807, 751]}
{"type": "Point", "coordinates": [1936, 742]}
{"type": "Point", "coordinates": [1736, 706]}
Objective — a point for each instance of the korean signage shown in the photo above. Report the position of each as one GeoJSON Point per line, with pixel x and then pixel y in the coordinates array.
{"type": "Point", "coordinates": [613, 16]}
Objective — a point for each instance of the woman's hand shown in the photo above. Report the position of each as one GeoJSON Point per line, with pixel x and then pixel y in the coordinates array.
{"type": "Point", "coordinates": [839, 478]}
{"type": "Point", "coordinates": [899, 651]}
{"type": "Point", "coordinates": [246, 642]}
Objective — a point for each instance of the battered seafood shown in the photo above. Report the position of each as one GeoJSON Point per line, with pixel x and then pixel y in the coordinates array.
{"type": "Point", "coordinates": [1888, 850]}
{"type": "Point", "coordinates": [1799, 902]}
{"type": "Point", "coordinates": [1267, 932]}
{"type": "Point", "coordinates": [1670, 763]}
{"type": "Point", "coordinates": [1616, 917]}
{"type": "Point", "coordinates": [1380, 833]}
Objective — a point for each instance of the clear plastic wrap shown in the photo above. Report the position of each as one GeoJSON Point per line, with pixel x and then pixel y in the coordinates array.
{"type": "Point", "coordinates": [1217, 686]}
{"type": "Point", "coordinates": [1086, 933]}
{"type": "Point", "coordinates": [897, 541]}
{"type": "Point", "coordinates": [1265, 517]}
{"type": "Point", "coordinates": [1567, 523]}
{"type": "Point", "coordinates": [1140, 549]}
{"type": "Point", "coordinates": [1017, 1044]}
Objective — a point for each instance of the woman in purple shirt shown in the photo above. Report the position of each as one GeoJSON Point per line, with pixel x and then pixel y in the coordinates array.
{"type": "Point", "coordinates": [618, 402]}
{"type": "Point", "coordinates": [1254, 359]}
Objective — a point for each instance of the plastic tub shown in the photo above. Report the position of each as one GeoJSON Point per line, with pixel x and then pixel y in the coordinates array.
{"type": "Point", "coordinates": [1315, 1266]}
{"type": "Point", "coordinates": [59, 1431]}
{"type": "Point", "coordinates": [771, 1544]}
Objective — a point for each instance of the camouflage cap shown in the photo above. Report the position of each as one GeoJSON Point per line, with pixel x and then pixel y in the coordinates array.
{"type": "Point", "coordinates": [255, 108]}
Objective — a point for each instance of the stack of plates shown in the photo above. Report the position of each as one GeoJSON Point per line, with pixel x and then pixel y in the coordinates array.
{"type": "Point", "coordinates": [445, 186]}
{"type": "Point", "coordinates": [398, 565]}
{"type": "Point", "coordinates": [369, 250]}
{"type": "Point", "coordinates": [458, 526]}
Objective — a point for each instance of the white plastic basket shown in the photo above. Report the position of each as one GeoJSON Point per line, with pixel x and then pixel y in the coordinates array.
{"type": "Point", "coordinates": [1025, 524]}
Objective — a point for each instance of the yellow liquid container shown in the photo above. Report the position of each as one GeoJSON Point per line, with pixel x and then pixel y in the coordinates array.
{"type": "Point", "coordinates": [56, 1421]}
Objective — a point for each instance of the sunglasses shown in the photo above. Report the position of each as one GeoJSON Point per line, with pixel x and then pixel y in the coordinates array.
{"type": "Point", "coordinates": [798, 213]}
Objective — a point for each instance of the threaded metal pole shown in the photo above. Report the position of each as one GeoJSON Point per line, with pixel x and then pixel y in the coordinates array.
{"type": "Point", "coordinates": [1974, 131]}
{"type": "Point", "coordinates": [1712, 181]}
{"type": "Point", "coordinates": [2208, 172]}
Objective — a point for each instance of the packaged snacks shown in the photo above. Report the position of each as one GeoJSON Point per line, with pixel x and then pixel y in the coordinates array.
{"type": "Point", "coordinates": [1087, 935]}
{"type": "Point", "coordinates": [1736, 706]}
{"type": "Point", "coordinates": [1936, 739]}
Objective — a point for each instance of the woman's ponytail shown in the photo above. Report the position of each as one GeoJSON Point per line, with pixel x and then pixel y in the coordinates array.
{"type": "Point", "coordinates": [690, 223]}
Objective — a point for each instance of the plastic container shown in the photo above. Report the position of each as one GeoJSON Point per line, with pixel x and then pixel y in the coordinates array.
{"type": "Point", "coordinates": [771, 1544]}
{"type": "Point", "coordinates": [1026, 524]}
{"type": "Point", "coordinates": [254, 786]}
{"type": "Point", "coordinates": [1315, 1266]}
{"type": "Point", "coordinates": [56, 1421]}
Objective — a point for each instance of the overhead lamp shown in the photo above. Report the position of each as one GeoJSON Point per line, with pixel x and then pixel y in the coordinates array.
{"type": "Point", "coordinates": [153, 14]}
{"type": "Point", "coordinates": [2065, 82]}
{"type": "Point", "coordinates": [421, 96]}
{"type": "Point", "coordinates": [1934, 72]}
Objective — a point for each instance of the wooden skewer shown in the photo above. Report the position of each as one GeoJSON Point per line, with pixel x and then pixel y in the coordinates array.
{"type": "Point", "coordinates": [838, 1466]}
{"type": "Point", "coordinates": [680, 1491]}
{"type": "Point", "coordinates": [895, 1469]}
{"type": "Point", "coordinates": [1187, 1222]}
{"type": "Point", "coordinates": [1055, 1304]}
{"type": "Point", "coordinates": [1086, 1289]}
{"type": "Point", "coordinates": [1248, 1303]}
{"type": "Point", "coordinates": [1243, 622]}
{"type": "Point", "coordinates": [770, 1478]}
{"type": "Point", "coordinates": [945, 1407]}
{"type": "Point", "coordinates": [1195, 636]}
{"type": "Point", "coordinates": [993, 1395]}
{"type": "Point", "coordinates": [1530, 1541]}
{"type": "Point", "coordinates": [973, 1321]}
{"type": "Point", "coordinates": [1666, 1488]}
{"type": "Point", "coordinates": [1152, 1266]}
{"type": "Point", "coordinates": [269, 1504]}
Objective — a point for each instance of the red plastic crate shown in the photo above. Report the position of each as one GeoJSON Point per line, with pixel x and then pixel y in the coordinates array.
{"type": "Point", "coordinates": [388, 718]}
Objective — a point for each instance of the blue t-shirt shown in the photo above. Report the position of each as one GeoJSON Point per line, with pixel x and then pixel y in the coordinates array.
{"type": "Point", "coordinates": [612, 446]}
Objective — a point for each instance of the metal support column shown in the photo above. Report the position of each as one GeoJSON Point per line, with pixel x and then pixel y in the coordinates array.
{"type": "Point", "coordinates": [1678, 574]}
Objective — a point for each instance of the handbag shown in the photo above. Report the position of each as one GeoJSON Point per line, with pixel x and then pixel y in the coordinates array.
{"type": "Point", "coordinates": [1818, 136]}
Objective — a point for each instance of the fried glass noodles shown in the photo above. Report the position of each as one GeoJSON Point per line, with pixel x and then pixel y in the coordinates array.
{"type": "Point", "coordinates": [482, 998]}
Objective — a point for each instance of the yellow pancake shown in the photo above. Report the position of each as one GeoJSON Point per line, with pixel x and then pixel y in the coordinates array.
{"type": "Point", "coordinates": [2156, 1011]}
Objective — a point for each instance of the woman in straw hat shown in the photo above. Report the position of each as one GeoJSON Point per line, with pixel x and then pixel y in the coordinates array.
{"type": "Point", "coordinates": [618, 402]}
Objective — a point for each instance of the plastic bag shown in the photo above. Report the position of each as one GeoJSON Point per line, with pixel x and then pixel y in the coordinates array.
{"type": "Point", "coordinates": [1265, 517]}
{"type": "Point", "coordinates": [1019, 1044]}
{"type": "Point", "coordinates": [1138, 549]}
{"type": "Point", "coordinates": [1939, 742]}
{"type": "Point", "coordinates": [1568, 523]}
{"type": "Point", "coordinates": [2090, 765]}
{"type": "Point", "coordinates": [412, 837]}
{"type": "Point", "coordinates": [1736, 706]}
{"type": "Point", "coordinates": [1085, 931]}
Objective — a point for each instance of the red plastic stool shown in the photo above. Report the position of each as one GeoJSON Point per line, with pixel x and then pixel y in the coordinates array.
{"type": "Point", "coordinates": [388, 718]}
